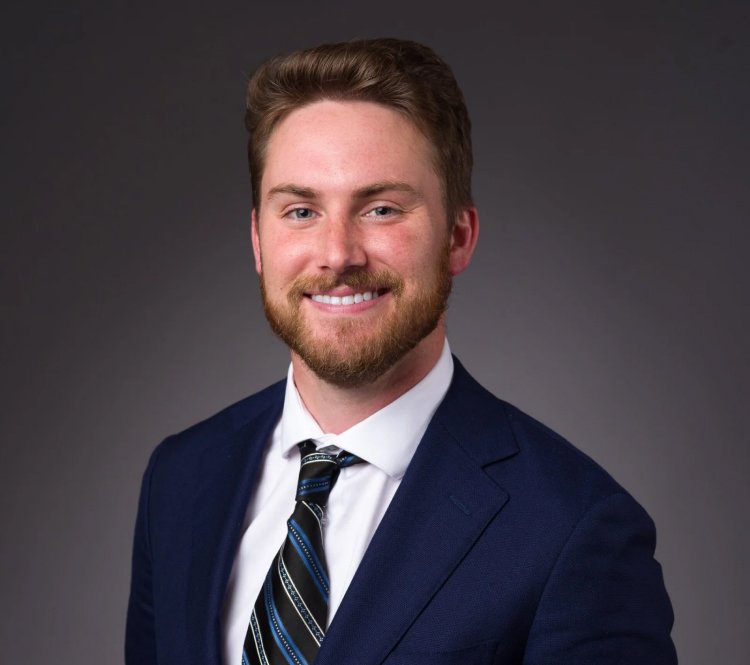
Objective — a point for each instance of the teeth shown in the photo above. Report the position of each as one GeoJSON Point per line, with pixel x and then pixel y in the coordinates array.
{"type": "Point", "coordinates": [345, 300]}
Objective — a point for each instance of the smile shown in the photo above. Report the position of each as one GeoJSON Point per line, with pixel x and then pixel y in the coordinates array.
{"type": "Point", "coordinates": [351, 299]}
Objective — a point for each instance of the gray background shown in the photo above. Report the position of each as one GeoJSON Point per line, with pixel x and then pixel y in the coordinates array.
{"type": "Point", "coordinates": [608, 297]}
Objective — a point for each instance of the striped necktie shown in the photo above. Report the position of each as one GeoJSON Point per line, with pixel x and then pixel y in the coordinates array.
{"type": "Point", "coordinates": [290, 615]}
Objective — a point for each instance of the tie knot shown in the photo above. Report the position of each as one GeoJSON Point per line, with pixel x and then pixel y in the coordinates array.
{"type": "Point", "coordinates": [319, 472]}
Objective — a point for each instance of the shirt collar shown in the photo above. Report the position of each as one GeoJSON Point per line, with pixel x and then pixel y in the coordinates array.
{"type": "Point", "coordinates": [388, 438]}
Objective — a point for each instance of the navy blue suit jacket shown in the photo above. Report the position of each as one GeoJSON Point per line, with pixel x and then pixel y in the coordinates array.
{"type": "Point", "coordinates": [504, 544]}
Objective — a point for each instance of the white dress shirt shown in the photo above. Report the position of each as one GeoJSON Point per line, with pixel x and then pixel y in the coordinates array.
{"type": "Point", "coordinates": [386, 440]}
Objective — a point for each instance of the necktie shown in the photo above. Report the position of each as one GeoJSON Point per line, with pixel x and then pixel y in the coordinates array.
{"type": "Point", "coordinates": [290, 615]}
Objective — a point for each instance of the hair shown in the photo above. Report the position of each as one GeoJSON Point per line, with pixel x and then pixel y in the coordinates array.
{"type": "Point", "coordinates": [403, 75]}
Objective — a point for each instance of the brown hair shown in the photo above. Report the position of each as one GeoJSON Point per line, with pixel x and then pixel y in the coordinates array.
{"type": "Point", "coordinates": [403, 75]}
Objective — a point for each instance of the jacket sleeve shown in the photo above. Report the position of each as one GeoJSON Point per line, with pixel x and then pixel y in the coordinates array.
{"type": "Point", "coordinates": [605, 601]}
{"type": "Point", "coordinates": [140, 634]}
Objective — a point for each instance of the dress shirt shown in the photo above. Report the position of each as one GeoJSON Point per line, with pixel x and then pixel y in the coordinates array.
{"type": "Point", "coordinates": [386, 440]}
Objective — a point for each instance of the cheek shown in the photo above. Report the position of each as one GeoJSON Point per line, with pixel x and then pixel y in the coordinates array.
{"type": "Point", "coordinates": [398, 247]}
{"type": "Point", "coordinates": [283, 258]}
{"type": "Point", "coordinates": [411, 253]}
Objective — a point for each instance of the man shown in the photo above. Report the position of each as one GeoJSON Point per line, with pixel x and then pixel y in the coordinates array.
{"type": "Point", "coordinates": [379, 497]}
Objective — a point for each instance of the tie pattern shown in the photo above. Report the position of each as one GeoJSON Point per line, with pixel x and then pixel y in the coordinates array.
{"type": "Point", "coordinates": [289, 618]}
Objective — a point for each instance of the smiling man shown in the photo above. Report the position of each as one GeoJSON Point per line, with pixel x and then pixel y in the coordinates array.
{"type": "Point", "coordinates": [379, 506]}
{"type": "Point", "coordinates": [355, 252]}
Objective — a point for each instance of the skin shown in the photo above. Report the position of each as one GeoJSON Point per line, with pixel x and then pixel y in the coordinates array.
{"type": "Point", "coordinates": [351, 187]}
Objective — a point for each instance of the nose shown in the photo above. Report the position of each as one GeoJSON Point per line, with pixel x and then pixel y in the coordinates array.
{"type": "Point", "coordinates": [342, 245]}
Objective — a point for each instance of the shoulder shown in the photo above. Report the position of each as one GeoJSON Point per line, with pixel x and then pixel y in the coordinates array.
{"type": "Point", "coordinates": [533, 463]}
{"type": "Point", "coordinates": [570, 546]}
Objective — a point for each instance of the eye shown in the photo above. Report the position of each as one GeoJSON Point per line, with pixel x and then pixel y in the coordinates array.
{"type": "Point", "coordinates": [380, 212]}
{"type": "Point", "coordinates": [300, 213]}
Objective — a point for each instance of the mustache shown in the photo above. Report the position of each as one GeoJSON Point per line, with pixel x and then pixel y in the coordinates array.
{"type": "Point", "coordinates": [362, 280]}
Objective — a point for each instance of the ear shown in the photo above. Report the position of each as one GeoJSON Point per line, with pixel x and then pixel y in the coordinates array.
{"type": "Point", "coordinates": [255, 234]}
{"type": "Point", "coordinates": [463, 240]}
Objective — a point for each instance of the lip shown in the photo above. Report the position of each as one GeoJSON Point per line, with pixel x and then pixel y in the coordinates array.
{"type": "Point", "coordinates": [344, 290]}
{"type": "Point", "coordinates": [354, 308]}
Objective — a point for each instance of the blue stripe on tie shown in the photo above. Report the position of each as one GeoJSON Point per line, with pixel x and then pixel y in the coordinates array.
{"type": "Point", "coordinates": [307, 481]}
{"type": "Point", "coordinates": [245, 661]}
{"type": "Point", "coordinates": [260, 648]}
{"type": "Point", "coordinates": [317, 482]}
{"type": "Point", "coordinates": [308, 556]}
{"type": "Point", "coordinates": [281, 636]}
{"type": "Point", "coordinates": [302, 609]}
{"type": "Point", "coordinates": [319, 487]}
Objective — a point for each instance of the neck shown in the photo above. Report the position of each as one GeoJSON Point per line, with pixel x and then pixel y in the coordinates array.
{"type": "Point", "coordinates": [336, 409]}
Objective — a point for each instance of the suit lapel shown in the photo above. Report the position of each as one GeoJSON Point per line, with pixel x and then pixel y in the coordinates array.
{"type": "Point", "coordinates": [228, 474]}
{"type": "Point", "coordinates": [443, 504]}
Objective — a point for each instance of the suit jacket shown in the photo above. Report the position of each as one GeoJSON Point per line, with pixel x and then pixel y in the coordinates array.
{"type": "Point", "coordinates": [504, 544]}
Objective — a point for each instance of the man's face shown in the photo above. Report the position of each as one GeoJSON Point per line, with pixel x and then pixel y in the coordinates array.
{"type": "Point", "coordinates": [351, 242]}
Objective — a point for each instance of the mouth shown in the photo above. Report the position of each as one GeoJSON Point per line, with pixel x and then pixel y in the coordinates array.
{"type": "Point", "coordinates": [348, 299]}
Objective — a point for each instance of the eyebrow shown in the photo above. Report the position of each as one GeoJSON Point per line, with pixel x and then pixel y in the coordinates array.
{"type": "Point", "coordinates": [362, 193]}
{"type": "Point", "coordinates": [385, 186]}
{"type": "Point", "coordinates": [295, 190]}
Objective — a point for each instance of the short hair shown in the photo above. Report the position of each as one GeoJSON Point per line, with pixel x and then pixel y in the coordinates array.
{"type": "Point", "coordinates": [399, 74]}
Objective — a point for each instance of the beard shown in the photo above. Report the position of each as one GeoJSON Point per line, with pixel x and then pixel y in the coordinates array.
{"type": "Point", "coordinates": [356, 353]}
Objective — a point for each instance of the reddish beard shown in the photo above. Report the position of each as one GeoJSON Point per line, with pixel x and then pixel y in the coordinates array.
{"type": "Point", "coordinates": [360, 352]}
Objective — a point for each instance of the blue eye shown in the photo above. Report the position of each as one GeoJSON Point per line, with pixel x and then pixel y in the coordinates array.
{"type": "Point", "coordinates": [381, 211]}
{"type": "Point", "coordinates": [301, 213]}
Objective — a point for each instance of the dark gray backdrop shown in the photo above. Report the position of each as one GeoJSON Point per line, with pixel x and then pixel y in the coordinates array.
{"type": "Point", "coordinates": [608, 297]}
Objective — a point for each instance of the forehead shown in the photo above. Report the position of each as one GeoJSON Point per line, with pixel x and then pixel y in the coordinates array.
{"type": "Point", "coordinates": [347, 144]}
